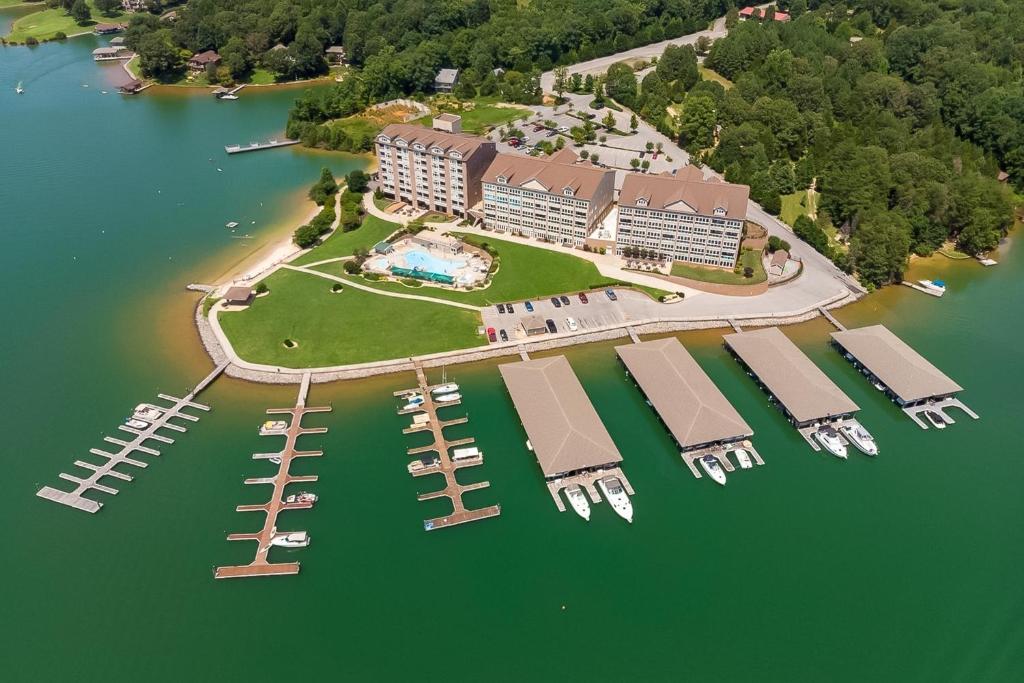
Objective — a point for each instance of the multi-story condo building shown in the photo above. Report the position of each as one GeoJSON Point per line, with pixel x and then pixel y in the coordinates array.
{"type": "Point", "coordinates": [557, 198]}
{"type": "Point", "coordinates": [432, 169]}
{"type": "Point", "coordinates": [682, 217]}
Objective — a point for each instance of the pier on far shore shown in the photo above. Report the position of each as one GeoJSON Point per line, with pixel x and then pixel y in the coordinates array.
{"type": "Point", "coordinates": [123, 455]}
{"type": "Point", "coordinates": [269, 536]}
{"type": "Point", "coordinates": [444, 464]}
{"type": "Point", "coordinates": [257, 146]}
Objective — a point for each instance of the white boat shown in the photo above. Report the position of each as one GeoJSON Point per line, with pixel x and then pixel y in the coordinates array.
{"type": "Point", "coordinates": [468, 452]}
{"type": "Point", "coordinates": [422, 464]}
{"type": "Point", "coordinates": [144, 411]}
{"type": "Point", "coordinates": [938, 286]}
{"type": "Point", "coordinates": [448, 388]}
{"type": "Point", "coordinates": [935, 419]}
{"type": "Point", "coordinates": [578, 501]}
{"type": "Point", "coordinates": [448, 398]}
{"type": "Point", "coordinates": [616, 495]}
{"type": "Point", "coordinates": [227, 96]}
{"type": "Point", "coordinates": [231, 225]}
{"type": "Point", "coordinates": [302, 497]}
{"type": "Point", "coordinates": [414, 399]}
{"type": "Point", "coordinates": [272, 426]}
{"type": "Point", "coordinates": [744, 459]}
{"type": "Point", "coordinates": [879, 386]}
{"type": "Point", "coordinates": [861, 438]}
{"type": "Point", "coordinates": [296, 539]}
{"type": "Point", "coordinates": [137, 424]}
{"type": "Point", "coordinates": [18, 89]}
{"type": "Point", "coordinates": [529, 446]}
{"type": "Point", "coordinates": [710, 464]}
{"type": "Point", "coordinates": [831, 441]}
{"type": "Point", "coordinates": [276, 459]}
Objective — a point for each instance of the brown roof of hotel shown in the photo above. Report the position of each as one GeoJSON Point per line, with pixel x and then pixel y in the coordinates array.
{"type": "Point", "coordinates": [802, 388]}
{"type": "Point", "coordinates": [450, 142]}
{"type": "Point", "coordinates": [892, 360]}
{"type": "Point", "coordinates": [689, 403]}
{"type": "Point", "coordinates": [564, 429]}
{"type": "Point", "coordinates": [552, 175]}
{"type": "Point", "coordinates": [662, 191]}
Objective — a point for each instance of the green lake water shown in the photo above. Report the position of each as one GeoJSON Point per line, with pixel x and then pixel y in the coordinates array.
{"type": "Point", "coordinates": [906, 567]}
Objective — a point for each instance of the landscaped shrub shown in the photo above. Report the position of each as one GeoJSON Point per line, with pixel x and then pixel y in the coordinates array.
{"type": "Point", "coordinates": [262, 288]}
{"type": "Point", "coordinates": [748, 272]}
{"type": "Point", "coordinates": [323, 189]}
{"type": "Point", "coordinates": [410, 282]}
{"type": "Point", "coordinates": [305, 236]}
{"type": "Point", "coordinates": [351, 267]}
{"type": "Point", "coordinates": [357, 181]}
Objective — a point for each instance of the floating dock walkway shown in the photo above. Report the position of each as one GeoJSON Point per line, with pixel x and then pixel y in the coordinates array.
{"type": "Point", "coordinates": [697, 415]}
{"type": "Point", "coordinates": [906, 377]}
{"type": "Point", "coordinates": [453, 490]}
{"type": "Point", "coordinates": [77, 500]}
{"type": "Point", "coordinates": [804, 394]}
{"type": "Point", "coordinates": [257, 146]}
{"type": "Point", "coordinates": [261, 565]}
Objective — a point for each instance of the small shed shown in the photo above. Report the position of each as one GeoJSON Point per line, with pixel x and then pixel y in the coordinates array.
{"type": "Point", "coordinates": [534, 325]}
{"type": "Point", "coordinates": [239, 296]}
{"type": "Point", "coordinates": [131, 87]}
{"type": "Point", "coordinates": [335, 54]}
{"type": "Point", "coordinates": [778, 263]}
{"type": "Point", "coordinates": [383, 248]}
{"type": "Point", "coordinates": [445, 80]}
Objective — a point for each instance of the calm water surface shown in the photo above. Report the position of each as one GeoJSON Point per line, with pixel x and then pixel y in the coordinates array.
{"type": "Point", "coordinates": [901, 568]}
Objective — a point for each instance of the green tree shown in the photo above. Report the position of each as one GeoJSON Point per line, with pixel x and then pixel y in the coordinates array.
{"type": "Point", "coordinates": [357, 181]}
{"type": "Point", "coordinates": [608, 121]}
{"type": "Point", "coordinates": [158, 57]}
{"type": "Point", "coordinates": [80, 12]}
{"type": "Point", "coordinates": [633, 123]}
{"type": "Point", "coordinates": [679, 63]}
{"type": "Point", "coordinates": [235, 58]}
{"type": "Point", "coordinates": [107, 7]}
{"type": "Point", "coordinates": [880, 246]}
{"type": "Point", "coordinates": [561, 81]}
{"type": "Point", "coordinates": [696, 123]}
{"type": "Point", "coordinates": [620, 84]}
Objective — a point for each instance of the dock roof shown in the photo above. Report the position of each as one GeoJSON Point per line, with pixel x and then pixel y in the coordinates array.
{"type": "Point", "coordinates": [906, 372]}
{"type": "Point", "coordinates": [802, 388]}
{"type": "Point", "coordinates": [690, 404]}
{"type": "Point", "coordinates": [565, 431]}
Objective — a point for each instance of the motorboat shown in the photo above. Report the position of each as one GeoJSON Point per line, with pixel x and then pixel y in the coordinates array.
{"type": "Point", "coordinates": [422, 464]}
{"type": "Point", "coordinates": [831, 441]}
{"type": "Point", "coordinates": [448, 398]}
{"type": "Point", "coordinates": [710, 464]}
{"type": "Point", "coordinates": [302, 497]}
{"type": "Point", "coordinates": [275, 459]}
{"type": "Point", "coordinates": [272, 426]}
{"type": "Point", "coordinates": [861, 438]}
{"type": "Point", "coordinates": [937, 421]}
{"type": "Point", "coordinates": [18, 88]}
{"type": "Point", "coordinates": [938, 286]}
{"type": "Point", "coordinates": [296, 539]}
{"type": "Point", "coordinates": [744, 459]}
{"type": "Point", "coordinates": [136, 424]}
{"type": "Point", "coordinates": [467, 452]}
{"type": "Point", "coordinates": [413, 400]}
{"type": "Point", "coordinates": [227, 96]}
{"type": "Point", "coordinates": [578, 501]}
{"type": "Point", "coordinates": [529, 446]}
{"type": "Point", "coordinates": [144, 411]}
{"type": "Point", "coordinates": [617, 497]}
{"type": "Point", "coordinates": [448, 388]}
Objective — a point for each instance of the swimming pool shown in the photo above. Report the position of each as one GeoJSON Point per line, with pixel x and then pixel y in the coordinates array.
{"type": "Point", "coordinates": [419, 259]}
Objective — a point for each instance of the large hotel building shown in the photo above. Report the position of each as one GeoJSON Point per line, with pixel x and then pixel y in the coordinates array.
{"type": "Point", "coordinates": [682, 217]}
{"type": "Point", "coordinates": [559, 198]}
{"type": "Point", "coordinates": [432, 169]}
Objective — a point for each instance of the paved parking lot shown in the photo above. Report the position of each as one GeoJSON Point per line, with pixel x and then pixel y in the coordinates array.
{"type": "Point", "coordinates": [599, 312]}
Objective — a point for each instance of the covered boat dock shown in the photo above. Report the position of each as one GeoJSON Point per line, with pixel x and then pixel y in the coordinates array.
{"type": "Point", "coordinates": [697, 415]}
{"type": "Point", "coordinates": [804, 394]}
{"type": "Point", "coordinates": [906, 376]}
{"type": "Point", "coordinates": [566, 434]}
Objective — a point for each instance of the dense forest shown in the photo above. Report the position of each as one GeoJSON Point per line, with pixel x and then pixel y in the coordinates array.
{"type": "Point", "coordinates": [900, 113]}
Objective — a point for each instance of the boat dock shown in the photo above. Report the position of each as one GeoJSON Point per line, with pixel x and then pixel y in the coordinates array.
{"type": "Point", "coordinates": [697, 415]}
{"type": "Point", "coordinates": [261, 565]}
{"type": "Point", "coordinates": [921, 288]}
{"type": "Point", "coordinates": [566, 434]}
{"type": "Point", "coordinates": [123, 455]}
{"type": "Point", "coordinates": [804, 394]}
{"type": "Point", "coordinates": [445, 466]}
{"type": "Point", "coordinates": [257, 146]}
{"type": "Point", "coordinates": [904, 375]}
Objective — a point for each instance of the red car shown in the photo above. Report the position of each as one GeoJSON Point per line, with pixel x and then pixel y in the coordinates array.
{"type": "Point", "coordinates": [491, 336]}
{"type": "Point", "coordinates": [584, 299]}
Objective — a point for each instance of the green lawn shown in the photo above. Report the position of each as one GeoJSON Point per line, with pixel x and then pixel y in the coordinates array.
{"type": "Point", "coordinates": [721, 276]}
{"type": "Point", "coordinates": [525, 273]}
{"type": "Point", "coordinates": [709, 75]}
{"type": "Point", "coordinates": [261, 77]}
{"type": "Point", "coordinates": [339, 329]}
{"type": "Point", "coordinates": [372, 230]}
{"type": "Point", "coordinates": [355, 125]}
{"type": "Point", "coordinates": [47, 22]}
{"type": "Point", "coordinates": [795, 204]}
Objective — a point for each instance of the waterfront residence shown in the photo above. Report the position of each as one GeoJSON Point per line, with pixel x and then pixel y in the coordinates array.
{"type": "Point", "coordinates": [559, 199]}
{"type": "Point", "coordinates": [135, 5]}
{"type": "Point", "coordinates": [759, 14]}
{"type": "Point", "coordinates": [335, 55]}
{"type": "Point", "coordinates": [445, 80]}
{"type": "Point", "coordinates": [432, 169]}
{"type": "Point", "coordinates": [682, 217]}
{"type": "Point", "coordinates": [199, 61]}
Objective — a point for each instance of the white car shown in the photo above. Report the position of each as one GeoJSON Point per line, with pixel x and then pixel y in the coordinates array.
{"type": "Point", "coordinates": [571, 323]}
{"type": "Point", "coordinates": [562, 129]}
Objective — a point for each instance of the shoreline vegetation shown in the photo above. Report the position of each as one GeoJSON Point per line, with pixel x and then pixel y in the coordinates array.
{"type": "Point", "coordinates": [57, 23]}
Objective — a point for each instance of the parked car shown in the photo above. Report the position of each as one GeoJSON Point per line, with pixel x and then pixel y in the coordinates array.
{"type": "Point", "coordinates": [501, 308]}
{"type": "Point", "coordinates": [504, 335]}
{"type": "Point", "coordinates": [610, 293]}
{"type": "Point", "coordinates": [509, 309]}
{"type": "Point", "coordinates": [555, 302]}
{"type": "Point", "coordinates": [538, 128]}
{"type": "Point", "coordinates": [550, 133]}
{"type": "Point", "coordinates": [491, 336]}
{"type": "Point", "coordinates": [584, 299]}
{"type": "Point", "coordinates": [563, 129]}
{"type": "Point", "coordinates": [529, 306]}
{"type": "Point", "coordinates": [571, 324]}
{"type": "Point", "coordinates": [564, 299]}
{"type": "Point", "coordinates": [552, 328]}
